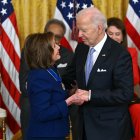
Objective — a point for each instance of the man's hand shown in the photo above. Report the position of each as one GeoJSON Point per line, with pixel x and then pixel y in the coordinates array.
{"type": "Point", "coordinates": [79, 97]}
{"type": "Point", "coordinates": [83, 94]}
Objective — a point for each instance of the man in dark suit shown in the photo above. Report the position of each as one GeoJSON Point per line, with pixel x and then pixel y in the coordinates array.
{"type": "Point", "coordinates": [58, 28]}
{"type": "Point", "coordinates": [109, 89]}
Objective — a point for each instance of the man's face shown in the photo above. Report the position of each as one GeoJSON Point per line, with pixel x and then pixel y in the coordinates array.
{"type": "Point", "coordinates": [87, 31]}
{"type": "Point", "coordinates": [58, 32]}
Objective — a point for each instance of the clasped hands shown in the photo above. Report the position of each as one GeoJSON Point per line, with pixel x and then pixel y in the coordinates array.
{"type": "Point", "coordinates": [78, 97]}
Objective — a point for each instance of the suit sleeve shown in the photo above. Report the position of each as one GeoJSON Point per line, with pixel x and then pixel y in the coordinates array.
{"type": "Point", "coordinates": [121, 91]}
{"type": "Point", "coordinates": [70, 76]}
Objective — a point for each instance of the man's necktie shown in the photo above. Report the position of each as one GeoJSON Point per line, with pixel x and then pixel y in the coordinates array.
{"type": "Point", "coordinates": [89, 63]}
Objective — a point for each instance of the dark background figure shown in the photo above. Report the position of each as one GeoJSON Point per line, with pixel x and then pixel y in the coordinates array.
{"type": "Point", "coordinates": [58, 28]}
{"type": "Point", "coordinates": [109, 89]}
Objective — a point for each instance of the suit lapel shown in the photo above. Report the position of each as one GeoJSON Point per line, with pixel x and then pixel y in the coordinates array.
{"type": "Point", "coordinates": [84, 58]}
{"type": "Point", "coordinates": [81, 52]}
{"type": "Point", "coordinates": [101, 58]}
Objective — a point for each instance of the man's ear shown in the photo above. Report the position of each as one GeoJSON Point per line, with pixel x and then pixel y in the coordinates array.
{"type": "Point", "coordinates": [100, 29]}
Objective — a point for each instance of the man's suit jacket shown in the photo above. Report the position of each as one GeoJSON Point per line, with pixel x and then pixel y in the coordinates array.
{"type": "Point", "coordinates": [106, 115]}
{"type": "Point", "coordinates": [49, 111]}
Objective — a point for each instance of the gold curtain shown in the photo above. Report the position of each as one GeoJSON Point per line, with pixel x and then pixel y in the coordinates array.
{"type": "Point", "coordinates": [112, 8]}
{"type": "Point", "coordinates": [32, 15]}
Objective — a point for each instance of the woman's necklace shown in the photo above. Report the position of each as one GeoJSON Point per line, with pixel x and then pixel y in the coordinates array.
{"type": "Point", "coordinates": [56, 77]}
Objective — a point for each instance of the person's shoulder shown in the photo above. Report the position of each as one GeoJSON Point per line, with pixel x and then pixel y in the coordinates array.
{"type": "Point", "coordinates": [65, 50]}
{"type": "Point", "coordinates": [116, 49]}
{"type": "Point", "coordinates": [112, 42]}
{"type": "Point", "coordinates": [38, 72]}
{"type": "Point", "coordinates": [117, 46]}
{"type": "Point", "coordinates": [114, 45]}
{"type": "Point", "coordinates": [81, 46]}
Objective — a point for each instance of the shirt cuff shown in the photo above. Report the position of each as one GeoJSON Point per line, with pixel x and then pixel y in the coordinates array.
{"type": "Point", "coordinates": [89, 95]}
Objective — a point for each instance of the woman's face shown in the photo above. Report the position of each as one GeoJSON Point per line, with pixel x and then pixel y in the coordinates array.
{"type": "Point", "coordinates": [115, 33]}
{"type": "Point", "coordinates": [56, 53]}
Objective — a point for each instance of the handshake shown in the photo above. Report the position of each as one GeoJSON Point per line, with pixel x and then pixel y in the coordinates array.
{"type": "Point", "coordinates": [78, 96]}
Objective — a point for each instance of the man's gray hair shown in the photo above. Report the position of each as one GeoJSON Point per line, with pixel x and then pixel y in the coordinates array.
{"type": "Point", "coordinates": [96, 16]}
